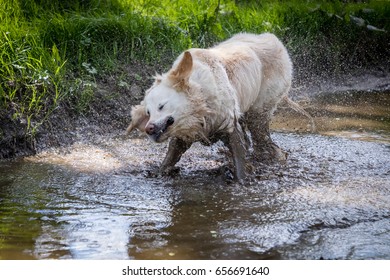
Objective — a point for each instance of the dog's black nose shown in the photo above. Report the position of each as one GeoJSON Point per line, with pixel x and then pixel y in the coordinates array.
{"type": "Point", "coordinates": [170, 121]}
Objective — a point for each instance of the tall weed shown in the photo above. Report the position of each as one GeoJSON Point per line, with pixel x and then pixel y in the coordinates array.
{"type": "Point", "coordinates": [30, 79]}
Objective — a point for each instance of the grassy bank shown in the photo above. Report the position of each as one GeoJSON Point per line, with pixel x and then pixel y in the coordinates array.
{"type": "Point", "coordinates": [54, 54]}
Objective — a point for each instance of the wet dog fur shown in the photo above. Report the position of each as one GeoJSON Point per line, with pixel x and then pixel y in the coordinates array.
{"type": "Point", "coordinates": [215, 94]}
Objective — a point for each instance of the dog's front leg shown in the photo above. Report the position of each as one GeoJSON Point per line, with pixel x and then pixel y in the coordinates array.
{"type": "Point", "coordinates": [176, 149]}
{"type": "Point", "coordinates": [236, 145]}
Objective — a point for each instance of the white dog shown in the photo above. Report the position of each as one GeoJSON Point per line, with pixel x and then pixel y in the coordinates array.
{"type": "Point", "coordinates": [215, 94]}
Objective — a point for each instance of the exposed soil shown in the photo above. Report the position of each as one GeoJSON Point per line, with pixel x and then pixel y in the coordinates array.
{"type": "Point", "coordinates": [110, 109]}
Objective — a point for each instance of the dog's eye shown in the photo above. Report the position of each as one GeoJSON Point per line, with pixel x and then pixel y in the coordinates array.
{"type": "Point", "coordinates": [161, 107]}
{"type": "Point", "coordinates": [148, 113]}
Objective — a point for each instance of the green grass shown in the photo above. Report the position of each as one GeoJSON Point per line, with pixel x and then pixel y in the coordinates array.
{"type": "Point", "coordinates": [29, 75]}
{"type": "Point", "coordinates": [54, 51]}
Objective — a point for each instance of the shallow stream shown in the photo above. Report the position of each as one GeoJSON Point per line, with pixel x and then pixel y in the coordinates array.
{"type": "Point", "coordinates": [102, 199]}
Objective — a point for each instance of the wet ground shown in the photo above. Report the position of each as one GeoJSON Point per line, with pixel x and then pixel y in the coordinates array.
{"type": "Point", "coordinates": [102, 200]}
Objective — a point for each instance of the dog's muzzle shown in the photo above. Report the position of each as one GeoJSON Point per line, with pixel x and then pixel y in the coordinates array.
{"type": "Point", "coordinates": [156, 130]}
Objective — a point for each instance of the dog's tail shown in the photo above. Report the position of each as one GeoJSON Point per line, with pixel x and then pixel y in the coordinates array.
{"type": "Point", "coordinates": [296, 107]}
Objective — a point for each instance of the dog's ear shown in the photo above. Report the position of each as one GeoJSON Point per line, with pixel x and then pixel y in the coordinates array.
{"type": "Point", "coordinates": [179, 75]}
{"type": "Point", "coordinates": [157, 79]}
{"type": "Point", "coordinates": [139, 119]}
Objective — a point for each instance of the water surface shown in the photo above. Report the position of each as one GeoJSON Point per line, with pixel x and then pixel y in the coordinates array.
{"type": "Point", "coordinates": [103, 200]}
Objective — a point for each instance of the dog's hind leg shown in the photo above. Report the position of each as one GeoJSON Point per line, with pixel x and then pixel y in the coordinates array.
{"type": "Point", "coordinates": [176, 149]}
{"type": "Point", "coordinates": [236, 144]}
{"type": "Point", "coordinates": [264, 149]}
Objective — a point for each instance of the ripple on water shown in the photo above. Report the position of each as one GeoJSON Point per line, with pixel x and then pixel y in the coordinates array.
{"type": "Point", "coordinates": [330, 200]}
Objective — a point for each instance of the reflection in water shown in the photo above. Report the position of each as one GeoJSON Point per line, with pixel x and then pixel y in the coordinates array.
{"type": "Point", "coordinates": [357, 115]}
{"type": "Point", "coordinates": [103, 201]}
{"type": "Point", "coordinates": [62, 214]}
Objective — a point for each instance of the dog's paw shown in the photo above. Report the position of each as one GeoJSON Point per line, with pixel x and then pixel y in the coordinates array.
{"type": "Point", "coordinates": [169, 171]}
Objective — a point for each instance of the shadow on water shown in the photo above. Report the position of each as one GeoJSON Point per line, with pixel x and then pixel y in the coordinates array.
{"type": "Point", "coordinates": [331, 200]}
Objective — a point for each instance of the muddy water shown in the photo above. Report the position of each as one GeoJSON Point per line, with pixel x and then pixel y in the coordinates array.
{"type": "Point", "coordinates": [102, 200]}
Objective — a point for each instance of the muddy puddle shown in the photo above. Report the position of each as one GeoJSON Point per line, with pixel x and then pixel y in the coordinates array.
{"type": "Point", "coordinates": [102, 199]}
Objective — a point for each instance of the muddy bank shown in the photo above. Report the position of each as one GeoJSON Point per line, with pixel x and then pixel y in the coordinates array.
{"type": "Point", "coordinates": [356, 81]}
{"type": "Point", "coordinates": [106, 112]}
{"type": "Point", "coordinates": [109, 110]}
{"type": "Point", "coordinates": [357, 106]}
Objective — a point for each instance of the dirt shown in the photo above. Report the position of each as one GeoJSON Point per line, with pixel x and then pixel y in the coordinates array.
{"type": "Point", "coordinates": [109, 110]}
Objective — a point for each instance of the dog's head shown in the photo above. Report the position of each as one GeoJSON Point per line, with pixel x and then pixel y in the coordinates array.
{"type": "Point", "coordinates": [166, 106]}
